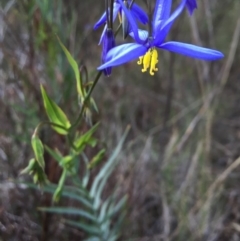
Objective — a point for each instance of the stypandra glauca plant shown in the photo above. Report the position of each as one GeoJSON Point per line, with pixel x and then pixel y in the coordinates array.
{"type": "Point", "coordinates": [100, 217]}
{"type": "Point", "coordinates": [94, 214]}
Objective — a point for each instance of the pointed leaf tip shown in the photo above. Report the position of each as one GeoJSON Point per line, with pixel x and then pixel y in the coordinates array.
{"type": "Point", "coordinates": [55, 114]}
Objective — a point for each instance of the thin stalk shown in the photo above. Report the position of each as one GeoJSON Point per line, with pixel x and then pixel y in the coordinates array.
{"type": "Point", "coordinates": [99, 73]}
{"type": "Point", "coordinates": [149, 17]}
{"type": "Point", "coordinates": [118, 28]}
{"type": "Point", "coordinates": [83, 70]}
{"type": "Point", "coordinates": [111, 14]}
{"type": "Point", "coordinates": [86, 101]}
{"type": "Point", "coordinates": [107, 13]}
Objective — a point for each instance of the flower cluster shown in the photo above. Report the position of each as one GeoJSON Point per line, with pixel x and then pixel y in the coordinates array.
{"type": "Point", "coordinates": [146, 43]}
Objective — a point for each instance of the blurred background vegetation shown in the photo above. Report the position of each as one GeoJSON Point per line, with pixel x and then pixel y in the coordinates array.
{"type": "Point", "coordinates": [180, 163]}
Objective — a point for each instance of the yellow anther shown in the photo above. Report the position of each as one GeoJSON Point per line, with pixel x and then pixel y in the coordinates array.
{"type": "Point", "coordinates": [154, 61]}
{"type": "Point", "coordinates": [146, 60]}
{"type": "Point", "coordinates": [140, 61]}
{"type": "Point", "coordinates": [149, 60]}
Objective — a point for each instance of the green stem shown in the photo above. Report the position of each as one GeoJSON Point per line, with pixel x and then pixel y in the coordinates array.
{"type": "Point", "coordinates": [94, 83]}
{"type": "Point", "coordinates": [86, 101]}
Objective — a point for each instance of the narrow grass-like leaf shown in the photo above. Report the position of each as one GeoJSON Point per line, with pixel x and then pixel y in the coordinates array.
{"type": "Point", "coordinates": [86, 176]}
{"type": "Point", "coordinates": [58, 192]}
{"type": "Point", "coordinates": [113, 238]}
{"type": "Point", "coordinates": [55, 114]}
{"type": "Point", "coordinates": [103, 209]}
{"type": "Point", "coordinates": [115, 231]}
{"type": "Point", "coordinates": [92, 101]}
{"type": "Point", "coordinates": [96, 159]}
{"type": "Point", "coordinates": [105, 228]}
{"type": "Point", "coordinates": [77, 194]}
{"type": "Point", "coordinates": [79, 198]}
{"type": "Point", "coordinates": [97, 196]}
{"type": "Point", "coordinates": [107, 168]}
{"type": "Point", "coordinates": [69, 211]}
{"type": "Point", "coordinates": [93, 230]}
{"type": "Point", "coordinates": [114, 209]}
{"type": "Point", "coordinates": [75, 68]}
{"type": "Point", "coordinates": [93, 239]}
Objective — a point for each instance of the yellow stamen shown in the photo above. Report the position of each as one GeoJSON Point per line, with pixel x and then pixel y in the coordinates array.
{"type": "Point", "coordinates": [146, 61]}
{"type": "Point", "coordinates": [140, 61]}
{"type": "Point", "coordinates": [149, 60]}
{"type": "Point", "coordinates": [154, 61]}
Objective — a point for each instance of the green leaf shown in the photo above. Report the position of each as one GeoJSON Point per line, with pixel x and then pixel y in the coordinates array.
{"type": "Point", "coordinates": [30, 167]}
{"type": "Point", "coordinates": [75, 68]}
{"type": "Point", "coordinates": [39, 177]}
{"type": "Point", "coordinates": [113, 209]}
{"type": "Point", "coordinates": [77, 197]}
{"type": "Point", "coordinates": [38, 150]}
{"type": "Point", "coordinates": [86, 139]}
{"type": "Point", "coordinates": [86, 227]}
{"type": "Point", "coordinates": [96, 159]}
{"type": "Point", "coordinates": [93, 239]}
{"type": "Point", "coordinates": [102, 177]}
{"type": "Point", "coordinates": [103, 210]}
{"type": "Point", "coordinates": [75, 194]}
{"type": "Point", "coordinates": [94, 104]}
{"type": "Point", "coordinates": [72, 211]}
{"type": "Point", "coordinates": [55, 154]}
{"type": "Point", "coordinates": [55, 114]}
{"type": "Point", "coordinates": [116, 229]}
{"type": "Point", "coordinates": [36, 171]}
{"type": "Point", "coordinates": [86, 175]}
{"type": "Point", "coordinates": [68, 163]}
{"type": "Point", "coordinates": [58, 192]}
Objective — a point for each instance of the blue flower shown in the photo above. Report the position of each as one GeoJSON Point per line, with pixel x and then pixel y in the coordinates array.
{"type": "Point", "coordinates": [107, 44]}
{"type": "Point", "coordinates": [191, 5]}
{"type": "Point", "coordinates": [147, 43]}
{"type": "Point", "coordinates": [136, 11]}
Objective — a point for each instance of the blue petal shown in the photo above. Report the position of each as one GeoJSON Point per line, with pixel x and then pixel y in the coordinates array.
{"type": "Point", "coordinates": [108, 44]}
{"type": "Point", "coordinates": [191, 5]}
{"type": "Point", "coordinates": [139, 14]}
{"type": "Point", "coordinates": [175, 14]}
{"type": "Point", "coordinates": [192, 51]}
{"type": "Point", "coordinates": [123, 54]}
{"type": "Point", "coordinates": [162, 31]}
{"type": "Point", "coordinates": [116, 9]}
{"type": "Point", "coordinates": [103, 18]}
{"type": "Point", "coordinates": [161, 12]}
{"type": "Point", "coordinates": [132, 22]}
{"type": "Point", "coordinates": [143, 35]}
{"type": "Point", "coordinates": [102, 35]}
